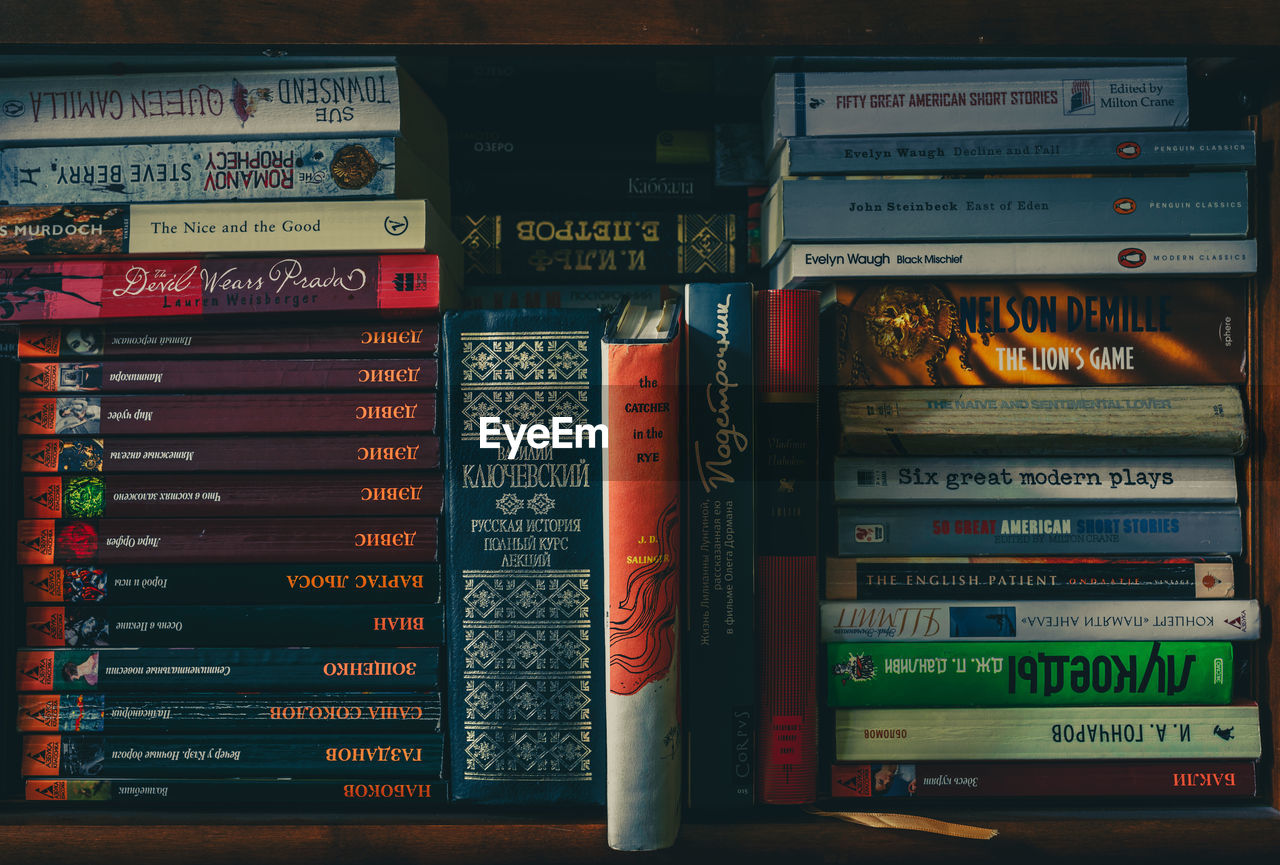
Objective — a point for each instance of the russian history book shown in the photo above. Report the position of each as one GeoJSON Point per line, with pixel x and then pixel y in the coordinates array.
{"type": "Point", "coordinates": [217, 669]}
{"type": "Point", "coordinates": [1037, 332]}
{"type": "Point", "coordinates": [722, 709]}
{"type": "Point", "coordinates": [644, 560]}
{"type": "Point", "coordinates": [525, 570]}
{"type": "Point", "coordinates": [831, 210]}
{"type": "Point", "coordinates": [1128, 673]}
{"type": "Point", "coordinates": [925, 621]}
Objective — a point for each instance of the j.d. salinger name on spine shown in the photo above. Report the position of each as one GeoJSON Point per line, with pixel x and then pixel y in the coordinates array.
{"type": "Point", "coordinates": [1044, 620]}
{"type": "Point", "coordinates": [218, 669]}
{"type": "Point", "coordinates": [248, 583]}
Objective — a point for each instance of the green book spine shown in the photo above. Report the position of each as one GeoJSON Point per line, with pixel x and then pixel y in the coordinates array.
{"type": "Point", "coordinates": [1029, 674]}
{"type": "Point", "coordinates": [1060, 733]}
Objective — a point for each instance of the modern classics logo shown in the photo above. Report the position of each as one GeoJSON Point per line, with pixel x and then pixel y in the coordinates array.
{"type": "Point", "coordinates": [1132, 257]}
{"type": "Point", "coordinates": [13, 108]}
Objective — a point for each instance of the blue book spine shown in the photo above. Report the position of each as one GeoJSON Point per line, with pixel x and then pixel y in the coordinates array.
{"type": "Point", "coordinates": [1064, 530]}
{"type": "Point", "coordinates": [720, 653]}
{"type": "Point", "coordinates": [1212, 204]}
{"type": "Point", "coordinates": [1060, 151]}
{"type": "Point", "coordinates": [525, 559]}
{"type": "Point", "coordinates": [199, 171]}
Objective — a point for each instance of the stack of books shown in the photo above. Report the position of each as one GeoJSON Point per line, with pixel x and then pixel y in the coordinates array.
{"type": "Point", "coordinates": [1034, 504]}
{"type": "Point", "coordinates": [231, 481]}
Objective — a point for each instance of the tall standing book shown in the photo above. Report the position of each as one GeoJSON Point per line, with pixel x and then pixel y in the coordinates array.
{"type": "Point", "coordinates": [643, 561]}
{"type": "Point", "coordinates": [524, 524]}
{"type": "Point", "coordinates": [721, 647]}
{"type": "Point", "coordinates": [786, 526]}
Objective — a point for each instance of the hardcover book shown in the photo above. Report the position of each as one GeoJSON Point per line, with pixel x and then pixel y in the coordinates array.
{"type": "Point", "coordinates": [525, 570]}
{"type": "Point", "coordinates": [227, 540]}
{"type": "Point", "coordinates": [249, 713]}
{"type": "Point", "coordinates": [187, 338]}
{"type": "Point", "coordinates": [1120, 151]}
{"type": "Point", "coordinates": [223, 413]}
{"type": "Point", "coordinates": [722, 708]}
{"type": "Point", "coordinates": [1208, 480]}
{"type": "Point", "coordinates": [1038, 778]}
{"type": "Point", "coordinates": [246, 583]}
{"type": "Point", "coordinates": [802, 263]}
{"type": "Point", "coordinates": [229, 228]}
{"type": "Point", "coordinates": [644, 558]}
{"type": "Point", "coordinates": [1028, 674]}
{"type": "Point", "coordinates": [827, 210]}
{"type": "Point", "coordinates": [163, 375]}
{"type": "Point", "coordinates": [294, 168]}
{"type": "Point", "coordinates": [1179, 420]}
{"type": "Point", "coordinates": [1059, 733]}
{"type": "Point", "coordinates": [786, 527]}
{"type": "Point", "coordinates": [1030, 577]}
{"type": "Point", "coordinates": [73, 291]}
{"type": "Point", "coordinates": [193, 670]}
{"type": "Point", "coordinates": [925, 621]}
{"type": "Point", "coordinates": [239, 791]}
{"type": "Point", "coordinates": [623, 246]}
{"type": "Point", "coordinates": [1037, 332]}
{"type": "Point", "coordinates": [219, 755]}
{"type": "Point", "coordinates": [119, 454]}
{"type": "Point", "coordinates": [973, 100]}
{"type": "Point", "coordinates": [200, 625]}
{"type": "Point", "coordinates": [1045, 530]}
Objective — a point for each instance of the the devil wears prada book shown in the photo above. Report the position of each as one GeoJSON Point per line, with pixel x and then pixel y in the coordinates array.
{"type": "Point", "coordinates": [525, 570]}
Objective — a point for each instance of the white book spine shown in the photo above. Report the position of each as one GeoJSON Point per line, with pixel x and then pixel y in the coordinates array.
{"type": "Point", "coordinates": [923, 621]}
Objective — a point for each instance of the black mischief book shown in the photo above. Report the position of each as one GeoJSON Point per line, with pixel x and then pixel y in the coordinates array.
{"type": "Point", "coordinates": [524, 575]}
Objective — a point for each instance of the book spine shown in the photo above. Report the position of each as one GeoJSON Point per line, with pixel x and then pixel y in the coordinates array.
{"type": "Point", "coordinates": [985, 100]}
{"type": "Point", "coordinates": [644, 558]}
{"type": "Point", "coordinates": [979, 154]}
{"type": "Point", "coordinates": [861, 621]}
{"type": "Point", "coordinates": [1209, 480]}
{"type": "Point", "coordinates": [215, 755]}
{"type": "Point", "coordinates": [570, 246]}
{"type": "Point", "coordinates": [482, 146]}
{"type": "Point", "coordinates": [1024, 208]}
{"type": "Point", "coordinates": [120, 454]}
{"type": "Point", "coordinates": [1029, 577]}
{"type": "Point", "coordinates": [86, 497]}
{"type": "Point", "coordinates": [1059, 733]}
{"type": "Point", "coordinates": [1028, 674]}
{"type": "Point", "coordinates": [194, 670]}
{"type": "Point", "coordinates": [722, 709]}
{"type": "Point", "coordinates": [238, 791]}
{"type": "Point", "coordinates": [185, 338]}
{"type": "Point", "coordinates": [1112, 332]}
{"type": "Point", "coordinates": [1046, 530]}
{"type": "Point", "coordinates": [246, 583]}
{"type": "Point", "coordinates": [227, 540]}
{"type": "Point", "coordinates": [525, 567]}
{"type": "Point", "coordinates": [803, 263]}
{"type": "Point", "coordinates": [219, 414]}
{"type": "Point", "coordinates": [1039, 778]}
{"type": "Point", "coordinates": [163, 375]}
{"type": "Point", "coordinates": [75, 290]}
{"type": "Point", "coordinates": [228, 228]}
{"type": "Point", "coordinates": [246, 713]}
{"type": "Point", "coordinates": [1115, 421]}
{"type": "Point", "coordinates": [786, 529]}
{"type": "Point", "coordinates": [200, 626]}
{"type": "Point", "coordinates": [199, 171]}
{"type": "Point", "coordinates": [175, 106]}
{"type": "Point", "coordinates": [640, 186]}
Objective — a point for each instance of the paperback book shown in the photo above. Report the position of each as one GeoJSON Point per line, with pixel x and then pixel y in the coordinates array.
{"type": "Point", "coordinates": [239, 791]}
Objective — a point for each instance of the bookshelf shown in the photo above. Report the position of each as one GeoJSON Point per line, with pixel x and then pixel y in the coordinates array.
{"type": "Point", "coordinates": [1246, 31]}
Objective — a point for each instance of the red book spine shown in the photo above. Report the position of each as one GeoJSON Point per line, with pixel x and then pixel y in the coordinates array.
{"type": "Point", "coordinates": [165, 414]}
{"type": "Point", "coordinates": [165, 375]}
{"type": "Point", "coordinates": [787, 544]}
{"type": "Point", "coordinates": [1086, 778]}
{"type": "Point", "coordinates": [261, 539]}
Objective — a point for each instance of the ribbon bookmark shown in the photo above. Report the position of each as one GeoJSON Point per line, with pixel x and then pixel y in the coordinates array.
{"type": "Point", "coordinates": [911, 822]}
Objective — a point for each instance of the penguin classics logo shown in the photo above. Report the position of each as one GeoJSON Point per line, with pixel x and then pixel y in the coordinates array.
{"type": "Point", "coordinates": [1131, 257]}
{"type": "Point", "coordinates": [1078, 97]}
{"type": "Point", "coordinates": [1129, 150]}
{"type": "Point", "coordinates": [1124, 206]}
